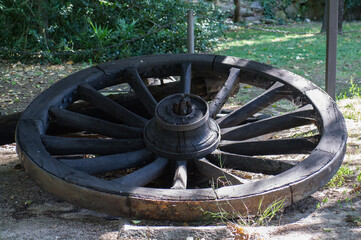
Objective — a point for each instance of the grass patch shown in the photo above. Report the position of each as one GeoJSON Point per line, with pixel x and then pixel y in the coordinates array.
{"type": "Point", "coordinates": [340, 178]}
{"type": "Point", "coordinates": [303, 54]}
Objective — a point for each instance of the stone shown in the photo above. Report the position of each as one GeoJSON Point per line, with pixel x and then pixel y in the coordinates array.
{"type": "Point", "coordinates": [280, 15]}
{"type": "Point", "coordinates": [292, 11]}
{"type": "Point", "coordinates": [257, 6]}
{"type": "Point", "coordinates": [253, 19]}
{"type": "Point", "coordinates": [269, 21]}
{"type": "Point", "coordinates": [245, 12]}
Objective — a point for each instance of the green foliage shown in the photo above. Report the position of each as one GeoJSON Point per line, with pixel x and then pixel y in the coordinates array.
{"type": "Point", "coordinates": [340, 178]}
{"type": "Point", "coordinates": [110, 29]}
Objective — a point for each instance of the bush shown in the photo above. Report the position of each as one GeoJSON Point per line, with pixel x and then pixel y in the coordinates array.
{"type": "Point", "coordinates": [101, 30]}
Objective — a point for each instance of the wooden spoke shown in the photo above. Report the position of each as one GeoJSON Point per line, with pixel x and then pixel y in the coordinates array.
{"type": "Point", "coordinates": [89, 94]}
{"type": "Point", "coordinates": [250, 164]}
{"type": "Point", "coordinates": [180, 176]}
{"type": "Point", "coordinates": [186, 77]}
{"type": "Point", "coordinates": [78, 121]}
{"type": "Point", "coordinates": [110, 162]}
{"type": "Point", "coordinates": [271, 147]}
{"type": "Point", "coordinates": [137, 84]}
{"type": "Point", "coordinates": [223, 94]}
{"type": "Point", "coordinates": [273, 94]}
{"type": "Point", "coordinates": [144, 175]}
{"type": "Point", "coordinates": [216, 173]}
{"type": "Point", "coordinates": [299, 117]}
{"type": "Point", "coordinates": [69, 145]}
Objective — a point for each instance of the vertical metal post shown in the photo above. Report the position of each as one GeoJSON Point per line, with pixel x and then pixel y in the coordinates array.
{"type": "Point", "coordinates": [331, 54]}
{"type": "Point", "coordinates": [190, 30]}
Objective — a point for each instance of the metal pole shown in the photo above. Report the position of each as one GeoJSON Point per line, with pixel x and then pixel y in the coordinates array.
{"type": "Point", "coordinates": [190, 30]}
{"type": "Point", "coordinates": [331, 54]}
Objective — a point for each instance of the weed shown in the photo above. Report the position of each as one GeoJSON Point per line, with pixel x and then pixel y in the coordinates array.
{"type": "Point", "coordinates": [339, 179]}
{"type": "Point", "coordinates": [262, 218]}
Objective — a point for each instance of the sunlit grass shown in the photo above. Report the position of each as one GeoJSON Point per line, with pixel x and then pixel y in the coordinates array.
{"type": "Point", "coordinates": [303, 51]}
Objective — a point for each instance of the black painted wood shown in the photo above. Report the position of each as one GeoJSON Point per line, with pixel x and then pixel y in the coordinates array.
{"type": "Point", "coordinates": [74, 120]}
{"type": "Point", "coordinates": [109, 163]}
{"type": "Point", "coordinates": [223, 94]}
{"type": "Point", "coordinates": [89, 94]}
{"type": "Point", "coordinates": [71, 145]}
{"type": "Point", "coordinates": [271, 147]}
{"type": "Point", "coordinates": [180, 175]}
{"type": "Point", "coordinates": [186, 77]}
{"type": "Point", "coordinates": [28, 132]}
{"type": "Point", "coordinates": [144, 175]}
{"type": "Point", "coordinates": [250, 164]}
{"type": "Point", "coordinates": [137, 84]}
{"type": "Point", "coordinates": [273, 94]}
{"type": "Point", "coordinates": [299, 117]}
{"type": "Point", "coordinates": [217, 174]}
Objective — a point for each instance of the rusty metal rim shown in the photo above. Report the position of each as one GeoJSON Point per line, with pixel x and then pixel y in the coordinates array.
{"type": "Point", "coordinates": [324, 105]}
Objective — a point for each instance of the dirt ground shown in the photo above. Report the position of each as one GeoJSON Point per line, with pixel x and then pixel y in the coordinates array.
{"type": "Point", "coordinates": [27, 212]}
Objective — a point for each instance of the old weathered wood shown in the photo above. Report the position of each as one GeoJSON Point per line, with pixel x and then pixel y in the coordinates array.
{"type": "Point", "coordinates": [180, 175]}
{"type": "Point", "coordinates": [271, 147]}
{"type": "Point", "coordinates": [137, 84]}
{"type": "Point", "coordinates": [71, 119]}
{"type": "Point", "coordinates": [273, 94]}
{"type": "Point", "coordinates": [296, 183]}
{"type": "Point", "coordinates": [109, 163]}
{"type": "Point", "coordinates": [186, 77]}
{"type": "Point", "coordinates": [223, 95]}
{"type": "Point", "coordinates": [299, 117]}
{"type": "Point", "coordinates": [70, 145]}
{"type": "Point", "coordinates": [89, 94]}
{"type": "Point", "coordinates": [250, 164]}
{"type": "Point", "coordinates": [144, 175]}
{"type": "Point", "coordinates": [7, 127]}
{"type": "Point", "coordinates": [219, 176]}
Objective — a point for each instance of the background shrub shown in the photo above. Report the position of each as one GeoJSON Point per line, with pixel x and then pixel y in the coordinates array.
{"type": "Point", "coordinates": [100, 30]}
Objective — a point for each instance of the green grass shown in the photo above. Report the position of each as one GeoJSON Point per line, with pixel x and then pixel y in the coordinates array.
{"type": "Point", "coordinates": [303, 54]}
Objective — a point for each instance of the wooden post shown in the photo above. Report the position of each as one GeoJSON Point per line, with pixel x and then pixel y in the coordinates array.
{"type": "Point", "coordinates": [331, 54]}
{"type": "Point", "coordinates": [190, 31]}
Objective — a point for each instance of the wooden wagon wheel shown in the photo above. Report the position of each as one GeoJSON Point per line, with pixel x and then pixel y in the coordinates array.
{"type": "Point", "coordinates": [152, 156]}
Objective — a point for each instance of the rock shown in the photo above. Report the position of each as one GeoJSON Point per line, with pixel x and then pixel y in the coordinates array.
{"type": "Point", "coordinates": [269, 21]}
{"type": "Point", "coordinates": [280, 15]}
{"type": "Point", "coordinates": [257, 7]}
{"type": "Point", "coordinates": [245, 12]}
{"type": "Point", "coordinates": [292, 11]}
{"type": "Point", "coordinates": [253, 19]}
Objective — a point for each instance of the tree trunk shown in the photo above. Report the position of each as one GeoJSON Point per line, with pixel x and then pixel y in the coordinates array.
{"type": "Point", "coordinates": [237, 16]}
{"type": "Point", "coordinates": [341, 7]}
{"type": "Point", "coordinates": [341, 4]}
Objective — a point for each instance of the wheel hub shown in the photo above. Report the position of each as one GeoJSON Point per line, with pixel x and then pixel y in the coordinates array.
{"type": "Point", "coordinates": [182, 129]}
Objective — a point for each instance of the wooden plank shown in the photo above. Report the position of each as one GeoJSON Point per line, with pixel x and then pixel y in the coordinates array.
{"type": "Point", "coordinates": [69, 145]}
{"type": "Point", "coordinates": [186, 77]}
{"type": "Point", "coordinates": [109, 163]}
{"type": "Point", "coordinates": [144, 175]}
{"type": "Point", "coordinates": [273, 94]}
{"type": "Point", "coordinates": [137, 84]}
{"type": "Point", "coordinates": [180, 176]}
{"type": "Point", "coordinates": [250, 164]}
{"type": "Point", "coordinates": [271, 147]}
{"type": "Point", "coordinates": [217, 174]}
{"type": "Point", "coordinates": [299, 117]}
{"type": "Point", "coordinates": [89, 94]}
{"type": "Point", "coordinates": [78, 121]}
{"type": "Point", "coordinates": [223, 94]}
